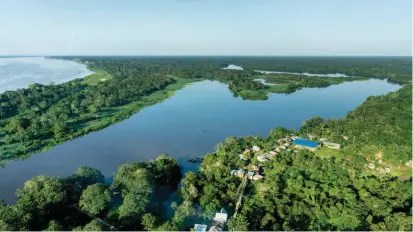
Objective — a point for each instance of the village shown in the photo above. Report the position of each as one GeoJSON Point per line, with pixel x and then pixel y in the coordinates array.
{"type": "Point", "coordinates": [255, 159]}
{"type": "Point", "coordinates": [253, 172]}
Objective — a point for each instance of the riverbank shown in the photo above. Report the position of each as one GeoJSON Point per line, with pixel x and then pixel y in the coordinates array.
{"type": "Point", "coordinates": [274, 174]}
{"type": "Point", "coordinates": [104, 117]}
{"type": "Point", "coordinates": [285, 83]}
{"type": "Point", "coordinates": [288, 83]}
{"type": "Point", "coordinates": [20, 72]}
{"type": "Point", "coordinates": [186, 126]}
{"type": "Point", "coordinates": [39, 117]}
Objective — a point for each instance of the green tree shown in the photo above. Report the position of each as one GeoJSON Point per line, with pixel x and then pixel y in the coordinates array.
{"type": "Point", "coordinates": [134, 205]}
{"type": "Point", "coordinates": [184, 215]}
{"type": "Point", "coordinates": [166, 170]}
{"type": "Point", "coordinates": [41, 191]}
{"type": "Point", "coordinates": [54, 226]}
{"type": "Point", "coordinates": [312, 122]}
{"type": "Point", "coordinates": [133, 177]}
{"type": "Point", "coordinates": [95, 199]}
{"type": "Point", "coordinates": [240, 223]}
{"type": "Point", "coordinates": [278, 133]}
{"type": "Point", "coordinates": [189, 190]}
{"type": "Point", "coordinates": [13, 217]}
{"type": "Point", "coordinates": [149, 222]}
{"type": "Point", "coordinates": [94, 225]}
{"type": "Point", "coordinates": [88, 175]}
{"type": "Point", "coordinates": [83, 177]}
{"type": "Point", "coordinates": [167, 226]}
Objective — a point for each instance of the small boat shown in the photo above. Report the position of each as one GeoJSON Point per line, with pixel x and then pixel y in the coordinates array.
{"type": "Point", "coordinates": [195, 160]}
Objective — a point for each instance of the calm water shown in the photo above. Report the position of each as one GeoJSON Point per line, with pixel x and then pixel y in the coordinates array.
{"type": "Point", "coordinates": [237, 67]}
{"type": "Point", "coordinates": [306, 74]}
{"type": "Point", "coordinates": [188, 125]}
{"type": "Point", "coordinates": [20, 72]}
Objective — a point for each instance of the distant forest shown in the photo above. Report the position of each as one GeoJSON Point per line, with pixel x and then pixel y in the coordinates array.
{"type": "Point", "coordinates": [41, 116]}
{"type": "Point", "coordinates": [300, 190]}
{"type": "Point", "coordinates": [394, 68]}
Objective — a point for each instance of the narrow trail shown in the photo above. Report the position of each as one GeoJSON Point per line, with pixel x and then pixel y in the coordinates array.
{"type": "Point", "coordinates": [238, 200]}
{"type": "Point", "coordinates": [241, 194]}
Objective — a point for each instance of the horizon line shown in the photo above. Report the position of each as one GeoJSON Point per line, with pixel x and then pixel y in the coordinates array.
{"type": "Point", "coordinates": [120, 55]}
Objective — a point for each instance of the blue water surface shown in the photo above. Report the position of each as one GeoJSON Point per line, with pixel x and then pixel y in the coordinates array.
{"type": "Point", "coordinates": [188, 125]}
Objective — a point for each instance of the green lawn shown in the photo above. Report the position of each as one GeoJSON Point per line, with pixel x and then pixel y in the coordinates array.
{"type": "Point", "coordinates": [98, 76]}
{"type": "Point", "coordinates": [325, 152]}
{"type": "Point", "coordinates": [253, 94]}
{"type": "Point", "coordinates": [280, 88]}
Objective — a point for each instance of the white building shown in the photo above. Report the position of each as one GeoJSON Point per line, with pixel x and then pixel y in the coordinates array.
{"type": "Point", "coordinates": [262, 158]}
{"type": "Point", "coordinates": [273, 153]}
{"type": "Point", "coordinates": [332, 145]}
{"type": "Point", "coordinates": [256, 148]}
{"type": "Point", "coordinates": [219, 220]}
{"type": "Point", "coordinates": [257, 177]}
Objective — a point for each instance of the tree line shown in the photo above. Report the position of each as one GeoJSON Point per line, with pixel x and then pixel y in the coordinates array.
{"type": "Point", "coordinates": [300, 190]}
{"type": "Point", "coordinates": [42, 116]}
{"type": "Point", "coordinates": [381, 124]}
{"type": "Point", "coordinates": [83, 201]}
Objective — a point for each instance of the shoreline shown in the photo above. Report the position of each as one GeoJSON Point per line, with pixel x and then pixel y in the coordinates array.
{"type": "Point", "coordinates": [107, 116]}
{"type": "Point", "coordinates": [52, 72]}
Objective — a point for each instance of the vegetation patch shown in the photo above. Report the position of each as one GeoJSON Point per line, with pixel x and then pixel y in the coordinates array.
{"type": "Point", "coordinates": [97, 77]}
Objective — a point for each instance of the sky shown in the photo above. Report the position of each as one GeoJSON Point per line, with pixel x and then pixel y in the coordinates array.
{"type": "Point", "coordinates": [206, 27]}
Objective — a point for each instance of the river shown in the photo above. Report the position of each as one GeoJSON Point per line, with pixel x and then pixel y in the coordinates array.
{"type": "Point", "coordinates": [188, 125]}
{"type": "Point", "coordinates": [20, 72]}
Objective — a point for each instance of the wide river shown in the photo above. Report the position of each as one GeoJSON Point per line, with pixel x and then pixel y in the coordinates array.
{"type": "Point", "coordinates": [188, 125]}
{"type": "Point", "coordinates": [20, 72]}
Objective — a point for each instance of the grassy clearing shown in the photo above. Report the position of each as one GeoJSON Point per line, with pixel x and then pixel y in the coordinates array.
{"type": "Point", "coordinates": [325, 152]}
{"type": "Point", "coordinates": [280, 88]}
{"type": "Point", "coordinates": [253, 94]}
{"type": "Point", "coordinates": [402, 171]}
{"type": "Point", "coordinates": [97, 77]}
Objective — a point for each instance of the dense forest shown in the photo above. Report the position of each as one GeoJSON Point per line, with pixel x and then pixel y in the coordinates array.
{"type": "Point", "coordinates": [44, 115]}
{"type": "Point", "coordinates": [397, 69]}
{"type": "Point", "coordinates": [136, 197]}
{"type": "Point", "coordinates": [289, 83]}
{"type": "Point", "coordinates": [301, 190]}
{"type": "Point", "coordinates": [304, 190]}
{"type": "Point", "coordinates": [41, 116]}
{"type": "Point", "coordinates": [382, 124]}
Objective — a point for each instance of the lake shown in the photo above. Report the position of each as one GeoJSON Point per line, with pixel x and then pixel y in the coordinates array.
{"type": "Point", "coordinates": [20, 72]}
{"type": "Point", "coordinates": [188, 125]}
{"type": "Point", "coordinates": [237, 67]}
{"type": "Point", "coordinates": [305, 74]}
